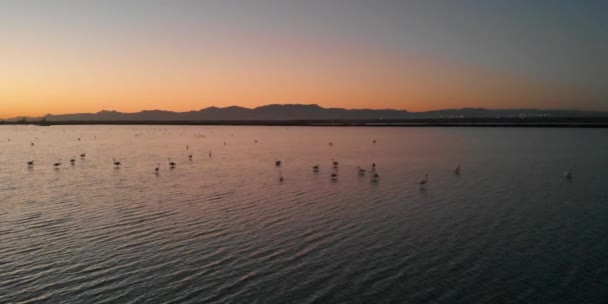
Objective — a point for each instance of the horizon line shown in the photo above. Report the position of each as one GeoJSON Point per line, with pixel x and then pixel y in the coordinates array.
{"type": "Point", "coordinates": [306, 104]}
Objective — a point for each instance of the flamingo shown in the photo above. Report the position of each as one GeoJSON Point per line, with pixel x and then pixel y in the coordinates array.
{"type": "Point", "coordinates": [277, 162]}
{"type": "Point", "coordinates": [172, 164]}
{"type": "Point", "coordinates": [361, 170]}
{"type": "Point", "coordinates": [116, 163]}
{"type": "Point", "coordinates": [424, 181]}
{"type": "Point", "coordinates": [457, 170]}
{"type": "Point", "coordinates": [375, 177]}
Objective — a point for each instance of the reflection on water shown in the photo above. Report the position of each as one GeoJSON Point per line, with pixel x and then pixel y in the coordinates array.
{"type": "Point", "coordinates": [221, 226]}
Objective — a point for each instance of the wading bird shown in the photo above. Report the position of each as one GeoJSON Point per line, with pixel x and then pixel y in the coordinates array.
{"type": "Point", "coordinates": [360, 170]}
{"type": "Point", "coordinates": [375, 177]}
{"type": "Point", "coordinates": [424, 181]}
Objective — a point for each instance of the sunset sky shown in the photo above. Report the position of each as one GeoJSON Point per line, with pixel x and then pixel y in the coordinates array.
{"type": "Point", "coordinates": [86, 56]}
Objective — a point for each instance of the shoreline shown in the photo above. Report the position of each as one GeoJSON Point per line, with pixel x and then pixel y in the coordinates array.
{"type": "Point", "coordinates": [572, 122]}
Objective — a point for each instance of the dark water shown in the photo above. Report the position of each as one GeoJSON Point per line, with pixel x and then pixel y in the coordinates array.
{"type": "Point", "coordinates": [509, 229]}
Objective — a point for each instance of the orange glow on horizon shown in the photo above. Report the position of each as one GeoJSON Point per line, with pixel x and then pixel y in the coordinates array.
{"type": "Point", "coordinates": [58, 82]}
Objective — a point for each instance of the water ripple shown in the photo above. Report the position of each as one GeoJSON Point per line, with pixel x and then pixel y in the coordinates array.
{"type": "Point", "coordinates": [226, 230]}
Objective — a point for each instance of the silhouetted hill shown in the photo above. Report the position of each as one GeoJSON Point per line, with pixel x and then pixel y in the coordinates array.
{"type": "Point", "coordinates": [268, 112]}
{"type": "Point", "coordinates": [286, 112]}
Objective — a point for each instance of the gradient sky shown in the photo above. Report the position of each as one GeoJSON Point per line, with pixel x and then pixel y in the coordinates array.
{"type": "Point", "coordinates": [85, 56]}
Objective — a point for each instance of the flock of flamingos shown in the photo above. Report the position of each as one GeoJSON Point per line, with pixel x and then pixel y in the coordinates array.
{"type": "Point", "coordinates": [375, 177]}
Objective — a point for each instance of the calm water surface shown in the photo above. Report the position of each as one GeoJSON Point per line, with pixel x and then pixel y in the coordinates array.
{"type": "Point", "coordinates": [223, 229]}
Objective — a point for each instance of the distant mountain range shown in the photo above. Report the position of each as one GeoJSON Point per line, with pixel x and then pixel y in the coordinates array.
{"type": "Point", "coordinates": [283, 112]}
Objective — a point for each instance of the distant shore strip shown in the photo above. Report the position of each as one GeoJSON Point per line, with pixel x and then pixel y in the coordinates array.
{"type": "Point", "coordinates": [567, 122]}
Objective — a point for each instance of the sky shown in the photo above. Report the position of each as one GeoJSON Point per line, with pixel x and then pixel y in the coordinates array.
{"type": "Point", "coordinates": [85, 56]}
